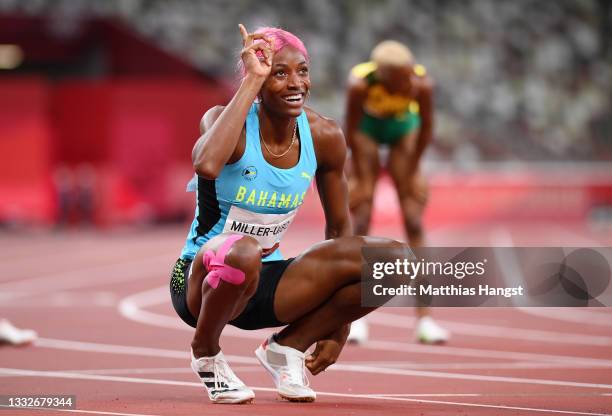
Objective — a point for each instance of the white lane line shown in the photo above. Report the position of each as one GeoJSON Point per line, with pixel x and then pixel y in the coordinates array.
{"type": "Point", "coordinates": [475, 366]}
{"type": "Point", "coordinates": [155, 352]}
{"type": "Point", "coordinates": [92, 276]}
{"type": "Point", "coordinates": [118, 371]}
{"type": "Point", "coordinates": [401, 365]}
{"type": "Point", "coordinates": [127, 350]}
{"type": "Point", "coordinates": [489, 331]}
{"type": "Point", "coordinates": [131, 307]}
{"type": "Point", "coordinates": [577, 315]}
{"type": "Point", "coordinates": [574, 315]}
{"type": "Point", "coordinates": [395, 364]}
{"type": "Point", "coordinates": [91, 412]}
{"type": "Point", "coordinates": [430, 395]}
{"type": "Point", "coordinates": [64, 300]}
{"type": "Point", "coordinates": [533, 395]}
{"type": "Point", "coordinates": [499, 395]}
{"type": "Point", "coordinates": [164, 370]}
{"type": "Point", "coordinates": [54, 280]}
{"type": "Point", "coordinates": [511, 274]}
{"type": "Point", "coordinates": [66, 375]}
{"type": "Point", "coordinates": [482, 353]}
{"type": "Point", "coordinates": [463, 376]}
{"type": "Point", "coordinates": [490, 406]}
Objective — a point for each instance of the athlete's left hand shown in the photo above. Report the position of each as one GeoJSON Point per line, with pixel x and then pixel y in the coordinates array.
{"type": "Point", "coordinates": [325, 354]}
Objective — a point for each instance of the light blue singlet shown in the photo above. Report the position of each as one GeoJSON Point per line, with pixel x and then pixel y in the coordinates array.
{"type": "Point", "coordinates": [251, 196]}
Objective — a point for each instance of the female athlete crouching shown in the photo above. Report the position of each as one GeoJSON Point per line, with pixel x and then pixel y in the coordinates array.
{"type": "Point", "coordinates": [254, 162]}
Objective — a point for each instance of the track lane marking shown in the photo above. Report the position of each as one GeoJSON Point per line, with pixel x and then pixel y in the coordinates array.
{"type": "Point", "coordinates": [132, 308]}
{"type": "Point", "coordinates": [184, 355]}
{"type": "Point", "coordinates": [92, 412]}
{"type": "Point", "coordinates": [66, 375]}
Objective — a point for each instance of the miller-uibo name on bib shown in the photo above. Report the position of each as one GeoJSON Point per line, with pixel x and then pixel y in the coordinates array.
{"type": "Point", "coordinates": [267, 229]}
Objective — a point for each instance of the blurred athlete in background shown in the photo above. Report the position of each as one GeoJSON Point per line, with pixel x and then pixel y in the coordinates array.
{"type": "Point", "coordinates": [390, 103]}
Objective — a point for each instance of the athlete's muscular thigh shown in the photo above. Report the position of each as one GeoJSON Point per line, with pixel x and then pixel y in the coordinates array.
{"type": "Point", "coordinates": [399, 154]}
{"type": "Point", "coordinates": [195, 290]}
{"type": "Point", "coordinates": [318, 273]}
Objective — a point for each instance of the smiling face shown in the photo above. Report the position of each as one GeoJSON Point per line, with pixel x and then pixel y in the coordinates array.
{"type": "Point", "coordinates": [284, 91]}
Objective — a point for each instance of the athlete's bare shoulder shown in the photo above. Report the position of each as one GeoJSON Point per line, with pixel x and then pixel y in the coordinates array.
{"type": "Point", "coordinates": [327, 136]}
{"type": "Point", "coordinates": [323, 128]}
{"type": "Point", "coordinates": [210, 117]}
{"type": "Point", "coordinates": [423, 80]}
{"type": "Point", "coordinates": [356, 84]}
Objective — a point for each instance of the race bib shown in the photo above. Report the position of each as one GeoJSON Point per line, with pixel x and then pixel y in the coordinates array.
{"type": "Point", "coordinates": [267, 229]}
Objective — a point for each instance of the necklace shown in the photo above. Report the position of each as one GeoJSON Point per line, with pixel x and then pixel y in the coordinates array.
{"type": "Point", "coordinates": [274, 155]}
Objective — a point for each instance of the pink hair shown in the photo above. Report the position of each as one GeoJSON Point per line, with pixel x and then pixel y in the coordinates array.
{"type": "Point", "coordinates": [281, 39]}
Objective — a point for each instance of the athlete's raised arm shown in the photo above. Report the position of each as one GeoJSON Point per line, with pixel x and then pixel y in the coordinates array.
{"type": "Point", "coordinates": [425, 100]}
{"type": "Point", "coordinates": [221, 127]}
{"type": "Point", "coordinates": [355, 97]}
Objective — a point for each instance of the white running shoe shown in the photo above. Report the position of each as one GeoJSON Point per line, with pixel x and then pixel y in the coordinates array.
{"type": "Point", "coordinates": [429, 332]}
{"type": "Point", "coordinates": [15, 336]}
{"type": "Point", "coordinates": [287, 368]}
{"type": "Point", "coordinates": [222, 385]}
{"type": "Point", "coordinates": [359, 332]}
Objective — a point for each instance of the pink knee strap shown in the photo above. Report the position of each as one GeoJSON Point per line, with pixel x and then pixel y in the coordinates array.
{"type": "Point", "coordinates": [217, 269]}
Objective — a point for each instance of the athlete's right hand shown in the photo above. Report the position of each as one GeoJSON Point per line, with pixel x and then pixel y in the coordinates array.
{"type": "Point", "coordinates": [259, 66]}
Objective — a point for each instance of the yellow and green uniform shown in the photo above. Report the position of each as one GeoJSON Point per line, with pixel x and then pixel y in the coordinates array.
{"type": "Point", "coordinates": [386, 117]}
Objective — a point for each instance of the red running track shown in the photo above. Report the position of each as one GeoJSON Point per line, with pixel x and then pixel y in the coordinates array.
{"type": "Point", "coordinates": [109, 335]}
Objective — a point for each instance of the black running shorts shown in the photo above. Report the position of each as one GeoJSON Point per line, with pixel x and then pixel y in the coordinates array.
{"type": "Point", "coordinates": [259, 311]}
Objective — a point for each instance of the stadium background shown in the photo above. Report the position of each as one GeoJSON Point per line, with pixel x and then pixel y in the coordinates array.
{"type": "Point", "coordinates": [100, 101]}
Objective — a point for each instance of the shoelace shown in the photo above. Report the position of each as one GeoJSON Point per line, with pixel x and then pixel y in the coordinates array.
{"type": "Point", "coordinates": [296, 373]}
{"type": "Point", "coordinates": [224, 374]}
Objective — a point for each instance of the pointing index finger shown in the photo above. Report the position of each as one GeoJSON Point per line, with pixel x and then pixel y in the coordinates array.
{"type": "Point", "coordinates": [243, 33]}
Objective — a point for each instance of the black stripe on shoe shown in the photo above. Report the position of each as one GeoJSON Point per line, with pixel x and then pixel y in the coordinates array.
{"type": "Point", "coordinates": [216, 392]}
{"type": "Point", "coordinates": [206, 374]}
{"type": "Point", "coordinates": [211, 384]}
